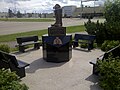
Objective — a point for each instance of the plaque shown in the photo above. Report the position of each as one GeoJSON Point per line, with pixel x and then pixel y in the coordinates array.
{"type": "Point", "coordinates": [57, 31]}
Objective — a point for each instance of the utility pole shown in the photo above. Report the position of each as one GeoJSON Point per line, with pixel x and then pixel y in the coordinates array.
{"type": "Point", "coordinates": [94, 8]}
{"type": "Point", "coordinates": [81, 9]}
{"type": "Point", "coordinates": [82, 6]}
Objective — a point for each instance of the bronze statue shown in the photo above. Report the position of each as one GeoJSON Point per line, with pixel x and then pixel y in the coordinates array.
{"type": "Point", "coordinates": [58, 15]}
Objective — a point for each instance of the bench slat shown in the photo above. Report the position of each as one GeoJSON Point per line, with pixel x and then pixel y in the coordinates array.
{"type": "Point", "coordinates": [22, 64]}
{"type": "Point", "coordinates": [95, 60]}
{"type": "Point", "coordinates": [28, 43]}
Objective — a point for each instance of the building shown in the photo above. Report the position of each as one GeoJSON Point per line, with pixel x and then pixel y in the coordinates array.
{"type": "Point", "coordinates": [3, 14]}
{"type": "Point", "coordinates": [87, 12]}
{"type": "Point", "coordinates": [68, 11]}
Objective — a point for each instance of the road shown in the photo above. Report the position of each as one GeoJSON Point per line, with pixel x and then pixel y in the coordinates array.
{"type": "Point", "coordinates": [17, 27]}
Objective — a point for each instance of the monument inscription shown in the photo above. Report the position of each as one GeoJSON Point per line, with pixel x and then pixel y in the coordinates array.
{"type": "Point", "coordinates": [57, 31]}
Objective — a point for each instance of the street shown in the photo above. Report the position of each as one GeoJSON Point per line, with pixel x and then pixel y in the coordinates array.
{"type": "Point", "coordinates": [17, 27]}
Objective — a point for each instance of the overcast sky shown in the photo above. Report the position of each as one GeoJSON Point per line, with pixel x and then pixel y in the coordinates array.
{"type": "Point", "coordinates": [42, 6]}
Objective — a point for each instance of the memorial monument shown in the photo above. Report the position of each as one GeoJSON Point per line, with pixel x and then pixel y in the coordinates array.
{"type": "Point", "coordinates": [58, 15]}
{"type": "Point", "coordinates": [57, 45]}
{"type": "Point", "coordinates": [56, 29]}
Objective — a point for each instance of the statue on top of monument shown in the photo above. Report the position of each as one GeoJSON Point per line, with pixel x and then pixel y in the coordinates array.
{"type": "Point", "coordinates": [58, 15]}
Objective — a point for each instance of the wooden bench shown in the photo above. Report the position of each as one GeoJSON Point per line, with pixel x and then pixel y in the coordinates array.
{"type": "Point", "coordinates": [9, 61]}
{"type": "Point", "coordinates": [84, 38]}
{"type": "Point", "coordinates": [24, 41]}
{"type": "Point", "coordinates": [115, 52]}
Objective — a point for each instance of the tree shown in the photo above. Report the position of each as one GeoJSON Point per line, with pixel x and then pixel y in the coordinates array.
{"type": "Point", "coordinates": [29, 15]}
{"type": "Point", "coordinates": [40, 15]}
{"type": "Point", "coordinates": [112, 16]}
{"type": "Point", "coordinates": [110, 29]}
{"type": "Point", "coordinates": [10, 13]}
{"type": "Point", "coordinates": [112, 10]}
{"type": "Point", "coordinates": [19, 15]}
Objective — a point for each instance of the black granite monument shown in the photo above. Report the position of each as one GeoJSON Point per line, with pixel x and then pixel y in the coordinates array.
{"type": "Point", "coordinates": [57, 45]}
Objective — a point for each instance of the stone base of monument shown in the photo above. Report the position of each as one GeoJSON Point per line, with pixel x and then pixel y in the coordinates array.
{"type": "Point", "coordinates": [56, 31]}
{"type": "Point", "coordinates": [57, 50]}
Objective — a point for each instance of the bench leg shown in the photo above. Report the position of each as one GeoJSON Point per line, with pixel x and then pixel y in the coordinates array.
{"type": "Point", "coordinates": [20, 71]}
{"type": "Point", "coordinates": [36, 46]}
{"type": "Point", "coordinates": [21, 49]}
{"type": "Point", "coordinates": [95, 70]}
{"type": "Point", "coordinates": [90, 46]}
{"type": "Point", "coordinates": [75, 44]}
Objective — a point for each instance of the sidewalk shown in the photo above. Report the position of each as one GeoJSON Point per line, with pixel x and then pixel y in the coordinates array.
{"type": "Point", "coordinates": [73, 75]}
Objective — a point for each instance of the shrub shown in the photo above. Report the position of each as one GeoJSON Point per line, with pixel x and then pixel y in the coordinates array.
{"type": "Point", "coordinates": [107, 45]}
{"type": "Point", "coordinates": [97, 29]}
{"type": "Point", "coordinates": [84, 45]}
{"type": "Point", "coordinates": [10, 81]}
{"type": "Point", "coordinates": [112, 16]}
{"type": "Point", "coordinates": [109, 71]}
{"type": "Point", "coordinates": [112, 10]}
{"type": "Point", "coordinates": [90, 27]}
{"type": "Point", "coordinates": [5, 48]}
{"type": "Point", "coordinates": [110, 29]}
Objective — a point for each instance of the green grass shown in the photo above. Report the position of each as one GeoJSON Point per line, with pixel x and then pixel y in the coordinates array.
{"type": "Point", "coordinates": [27, 19]}
{"type": "Point", "coordinates": [73, 29]}
{"type": "Point", "coordinates": [12, 37]}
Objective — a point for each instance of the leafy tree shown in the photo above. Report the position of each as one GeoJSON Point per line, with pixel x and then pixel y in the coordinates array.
{"type": "Point", "coordinates": [10, 13]}
{"type": "Point", "coordinates": [110, 29]}
{"type": "Point", "coordinates": [112, 16]}
{"type": "Point", "coordinates": [29, 15]}
{"type": "Point", "coordinates": [19, 15]}
{"type": "Point", "coordinates": [112, 11]}
{"type": "Point", "coordinates": [40, 15]}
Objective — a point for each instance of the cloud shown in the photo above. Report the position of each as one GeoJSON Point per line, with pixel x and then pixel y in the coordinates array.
{"type": "Point", "coordinates": [41, 6]}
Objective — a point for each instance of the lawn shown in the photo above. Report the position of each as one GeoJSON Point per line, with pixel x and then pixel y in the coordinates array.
{"type": "Point", "coordinates": [27, 19]}
{"type": "Point", "coordinates": [12, 37]}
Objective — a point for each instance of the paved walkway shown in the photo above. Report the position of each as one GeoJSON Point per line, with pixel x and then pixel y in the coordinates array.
{"type": "Point", "coordinates": [73, 75]}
